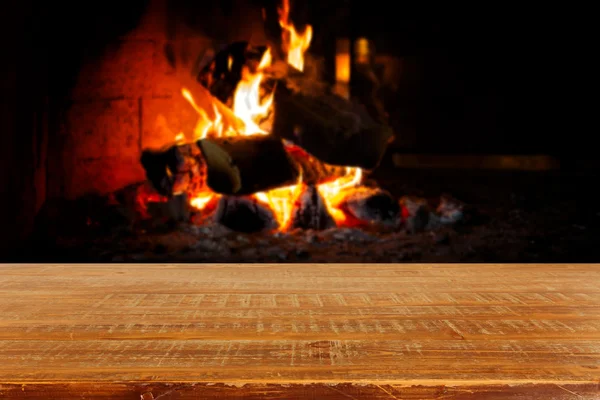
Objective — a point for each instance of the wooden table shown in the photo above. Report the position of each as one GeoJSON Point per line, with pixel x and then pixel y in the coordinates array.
{"type": "Point", "coordinates": [300, 331]}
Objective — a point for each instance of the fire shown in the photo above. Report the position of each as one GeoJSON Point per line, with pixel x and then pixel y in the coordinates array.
{"type": "Point", "coordinates": [281, 201]}
{"type": "Point", "coordinates": [249, 107]}
{"type": "Point", "coordinates": [333, 192]}
{"type": "Point", "coordinates": [205, 123]}
{"type": "Point", "coordinates": [294, 43]}
{"type": "Point", "coordinates": [202, 200]}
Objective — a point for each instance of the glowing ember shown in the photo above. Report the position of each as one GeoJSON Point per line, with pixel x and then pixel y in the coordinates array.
{"type": "Point", "coordinates": [202, 200]}
{"type": "Point", "coordinates": [249, 107]}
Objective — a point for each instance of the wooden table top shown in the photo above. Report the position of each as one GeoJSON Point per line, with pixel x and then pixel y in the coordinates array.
{"type": "Point", "coordinates": [299, 331]}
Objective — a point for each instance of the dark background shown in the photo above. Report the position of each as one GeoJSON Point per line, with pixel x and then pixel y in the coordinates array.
{"type": "Point", "coordinates": [474, 79]}
{"type": "Point", "coordinates": [482, 79]}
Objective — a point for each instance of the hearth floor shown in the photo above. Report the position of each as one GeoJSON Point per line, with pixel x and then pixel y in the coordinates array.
{"type": "Point", "coordinates": [299, 331]}
{"type": "Point", "coordinates": [519, 218]}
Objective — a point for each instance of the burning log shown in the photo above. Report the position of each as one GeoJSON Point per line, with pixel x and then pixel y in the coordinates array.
{"type": "Point", "coordinates": [244, 214]}
{"type": "Point", "coordinates": [329, 127]}
{"type": "Point", "coordinates": [176, 170]}
{"type": "Point", "coordinates": [314, 171]}
{"type": "Point", "coordinates": [310, 211]}
{"type": "Point", "coordinates": [245, 165]}
{"type": "Point", "coordinates": [158, 165]}
{"type": "Point", "coordinates": [239, 166]}
{"type": "Point", "coordinates": [371, 206]}
{"type": "Point", "coordinates": [307, 111]}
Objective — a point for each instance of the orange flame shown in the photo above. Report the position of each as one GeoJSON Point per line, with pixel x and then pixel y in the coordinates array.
{"type": "Point", "coordinates": [333, 193]}
{"type": "Point", "coordinates": [249, 108]}
{"type": "Point", "coordinates": [281, 201]}
{"type": "Point", "coordinates": [205, 123]}
{"type": "Point", "coordinates": [294, 43]}
{"type": "Point", "coordinates": [246, 101]}
{"type": "Point", "coordinates": [201, 200]}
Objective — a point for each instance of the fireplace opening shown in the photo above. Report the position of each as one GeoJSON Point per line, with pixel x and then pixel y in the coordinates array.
{"type": "Point", "coordinates": [278, 131]}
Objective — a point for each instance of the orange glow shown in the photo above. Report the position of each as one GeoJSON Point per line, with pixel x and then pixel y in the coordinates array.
{"type": "Point", "coordinates": [180, 137]}
{"type": "Point", "coordinates": [281, 201]}
{"type": "Point", "coordinates": [334, 192]}
{"type": "Point", "coordinates": [294, 43]}
{"type": "Point", "coordinates": [342, 68]}
{"type": "Point", "coordinates": [362, 50]}
{"type": "Point", "coordinates": [249, 107]}
{"type": "Point", "coordinates": [342, 61]}
{"type": "Point", "coordinates": [205, 123]}
{"type": "Point", "coordinates": [201, 200]}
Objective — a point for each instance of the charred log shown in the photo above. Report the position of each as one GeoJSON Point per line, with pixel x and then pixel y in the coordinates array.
{"type": "Point", "coordinates": [168, 213]}
{"type": "Point", "coordinates": [417, 216]}
{"type": "Point", "coordinates": [450, 210]}
{"type": "Point", "coordinates": [310, 211]}
{"type": "Point", "coordinates": [244, 214]}
{"type": "Point", "coordinates": [333, 129]}
{"type": "Point", "coordinates": [244, 165]}
{"type": "Point", "coordinates": [176, 170]}
{"type": "Point", "coordinates": [313, 170]}
{"type": "Point", "coordinates": [156, 164]}
{"type": "Point", "coordinates": [372, 207]}
{"type": "Point", "coordinates": [234, 166]}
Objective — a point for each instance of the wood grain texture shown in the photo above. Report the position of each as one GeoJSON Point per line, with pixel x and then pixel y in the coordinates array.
{"type": "Point", "coordinates": [300, 331]}
{"type": "Point", "coordinates": [345, 391]}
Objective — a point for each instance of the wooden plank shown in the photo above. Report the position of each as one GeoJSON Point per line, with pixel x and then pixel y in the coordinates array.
{"type": "Point", "coordinates": [345, 391]}
{"type": "Point", "coordinates": [330, 360]}
{"type": "Point", "coordinates": [300, 330]}
{"type": "Point", "coordinates": [468, 161]}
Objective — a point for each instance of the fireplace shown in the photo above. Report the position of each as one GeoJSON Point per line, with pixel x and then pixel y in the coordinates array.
{"type": "Point", "coordinates": [267, 131]}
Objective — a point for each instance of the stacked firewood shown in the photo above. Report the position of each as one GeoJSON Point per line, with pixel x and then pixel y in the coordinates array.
{"type": "Point", "coordinates": [314, 135]}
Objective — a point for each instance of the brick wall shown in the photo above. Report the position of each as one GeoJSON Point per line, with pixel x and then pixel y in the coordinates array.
{"type": "Point", "coordinates": [127, 101]}
{"type": "Point", "coordinates": [74, 121]}
{"type": "Point", "coordinates": [130, 100]}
